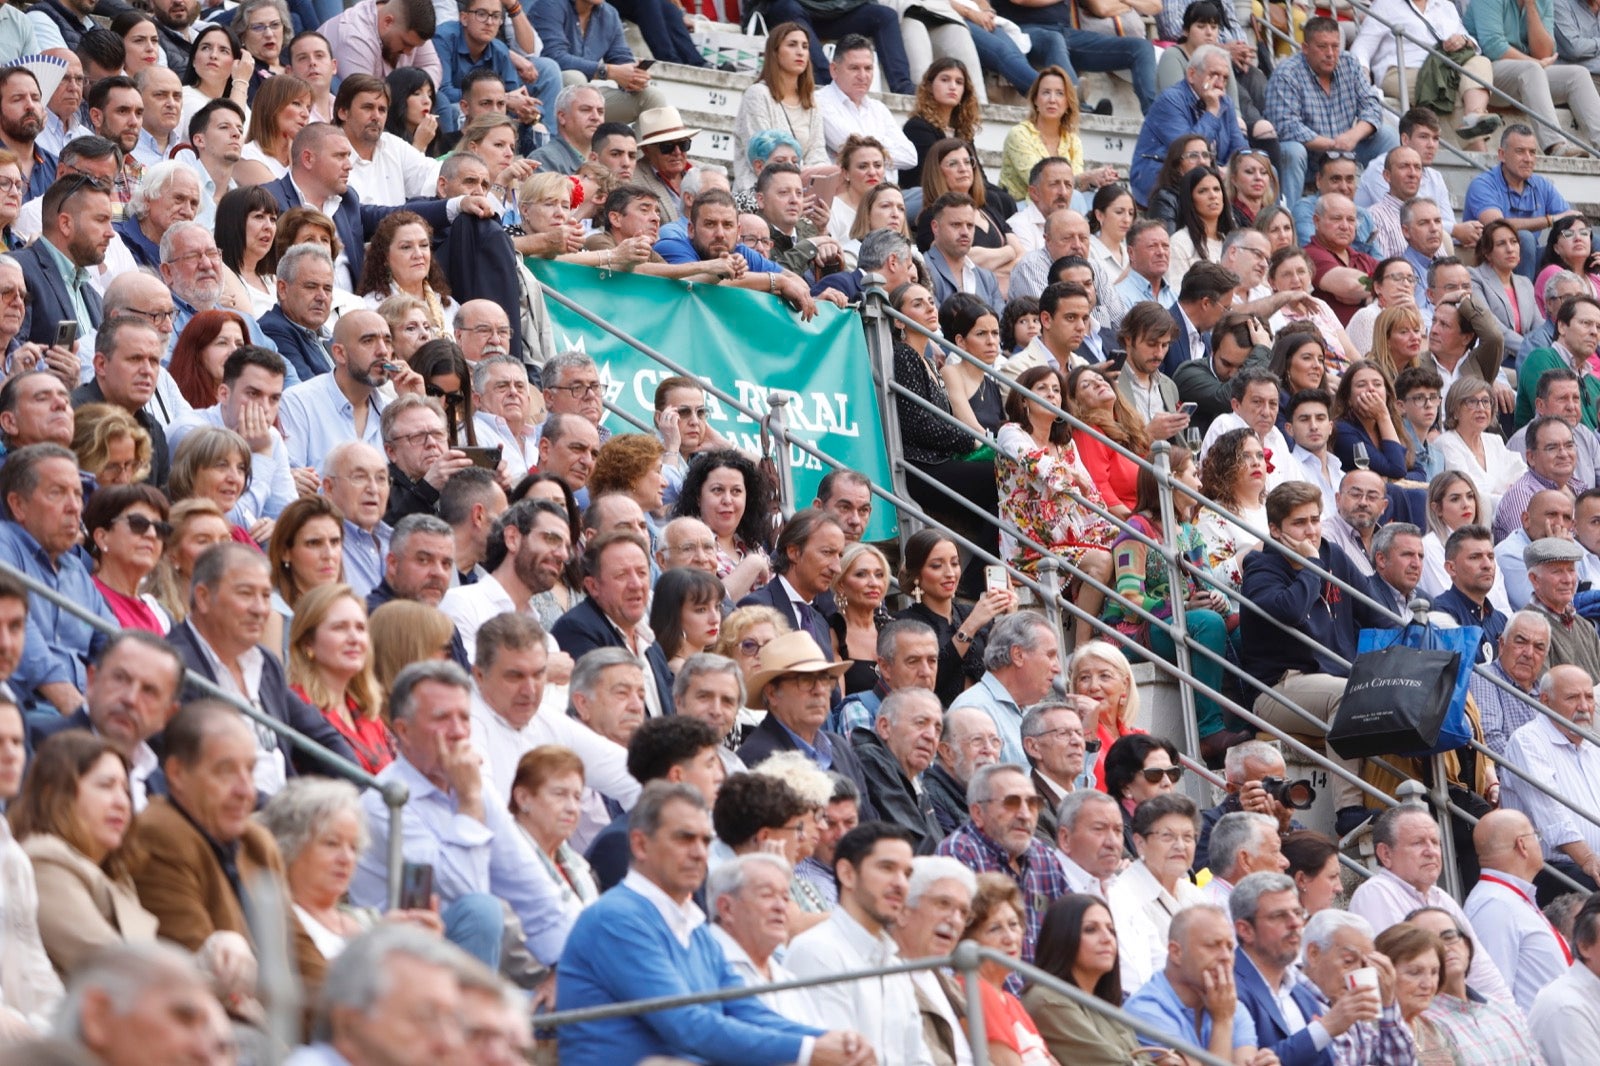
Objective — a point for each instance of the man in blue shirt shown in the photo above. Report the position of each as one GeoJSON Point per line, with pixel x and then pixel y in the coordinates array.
{"type": "Point", "coordinates": [713, 232]}
{"type": "Point", "coordinates": [1194, 998]}
{"type": "Point", "coordinates": [1512, 191]}
{"type": "Point", "coordinates": [43, 498]}
{"type": "Point", "coordinates": [474, 41]}
{"type": "Point", "coordinates": [1197, 105]}
{"type": "Point", "coordinates": [1321, 101]}
{"type": "Point", "coordinates": [1469, 560]}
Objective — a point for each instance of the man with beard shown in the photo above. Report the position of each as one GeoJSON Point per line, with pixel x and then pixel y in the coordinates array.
{"type": "Point", "coordinates": [385, 169]}
{"type": "Point", "coordinates": [169, 194]}
{"type": "Point", "coordinates": [127, 364]}
{"type": "Point", "coordinates": [482, 329]}
{"type": "Point", "coordinates": [116, 112]}
{"type": "Point", "coordinates": [356, 478]}
{"type": "Point", "coordinates": [21, 122]}
{"type": "Point", "coordinates": [61, 116]}
{"type": "Point", "coordinates": [191, 266]}
{"type": "Point", "coordinates": [217, 135]}
{"type": "Point", "coordinates": [330, 409]}
{"type": "Point", "coordinates": [77, 218]}
{"type": "Point", "coordinates": [418, 567]}
{"type": "Point", "coordinates": [938, 900]}
{"type": "Point", "coordinates": [528, 547]}
{"type": "Point", "coordinates": [420, 458]}
{"type": "Point", "coordinates": [1360, 502]}
{"type": "Point", "coordinates": [968, 742]}
{"type": "Point", "coordinates": [163, 108]}
{"type": "Point", "coordinates": [713, 233]}
{"type": "Point", "coordinates": [616, 567]}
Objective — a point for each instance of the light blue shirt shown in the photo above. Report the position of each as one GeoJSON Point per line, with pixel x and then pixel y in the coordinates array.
{"type": "Point", "coordinates": [17, 37]}
{"type": "Point", "coordinates": [271, 486]}
{"type": "Point", "coordinates": [73, 276]}
{"type": "Point", "coordinates": [1158, 1003]}
{"type": "Point", "coordinates": [992, 698]}
{"type": "Point", "coordinates": [57, 643]}
{"type": "Point", "coordinates": [468, 857]}
{"type": "Point", "coordinates": [149, 153]}
{"type": "Point", "coordinates": [363, 556]}
{"type": "Point", "coordinates": [1135, 289]}
{"type": "Point", "coordinates": [316, 417]}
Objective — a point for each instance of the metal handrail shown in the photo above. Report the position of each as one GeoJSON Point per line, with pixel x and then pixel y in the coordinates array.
{"type": "Point", "coordinates": [394, 793]}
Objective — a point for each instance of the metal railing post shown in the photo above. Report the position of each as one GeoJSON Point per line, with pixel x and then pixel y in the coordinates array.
{"type": "Point", "coordinates": [966, 959]}
{"type": "Point", "coordinates": [778, 426]}
{"type": "Point", "coordinates": [1177, 582]}
{"type": "Point", "coordinates": [1400, 68]}
{"type": "Point", "coordinates": [880, 349]}
{"type": "Point", "coordinates": [394, 796]}
{"type": "Point", "coordinates": [1050, 581]}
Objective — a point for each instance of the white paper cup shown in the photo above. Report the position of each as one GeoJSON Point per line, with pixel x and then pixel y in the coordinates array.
{"type": "Point", "coordinates": [1365, 977]}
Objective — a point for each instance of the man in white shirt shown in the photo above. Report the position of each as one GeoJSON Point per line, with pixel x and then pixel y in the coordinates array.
{"type": "Point", "coordinates": [1559, 757]}
{"type": "Point", "coordinates": [218, 139]}
{"type": "Point", "coordinates": [1410, 858]}
{"type": "Point", "coordinates": [938, 901]}
{"type": "Point", "coordinates": [247, 403]}
{"type": "Point", "coordinates": [847, 109]}
{"type": "Point", "coordinates": [505, 412]}
{"type": "Point", "coordinates": [1089, 841]}
{"type": "Point", "coordinates": [1502, 906]}
{"type": "Point", "coordinates": [749, 901]}
{"type": "Point", "coordinates": [1242, 843]}
{"type": "Point", "coordinates": [384, 169]}
{"type": "Point", "coordinates": [530, 543]}
{"type": "Point", "coordinates": [873, 863]}
{"type": "Point", "coordinates": [1051, 188]}
{"type": "Point", "coordinates": [1565, 1019]}
{"type": "Point", "coordinates": [163, 106]}
{"type": "Point", "coordinates": [1311, 427]}
{"type": "Point", "coordinates": [1253, 395]}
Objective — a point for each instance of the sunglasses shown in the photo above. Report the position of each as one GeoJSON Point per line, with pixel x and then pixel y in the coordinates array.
{"type": "Point", "coordinates": [673, 147]}
{"type": "Point", "coordinates": [1014, 803]}
{"type": "Point", "coordinates": [1153, 774]}
{"type": "Point", "coordinates": [139, 525]}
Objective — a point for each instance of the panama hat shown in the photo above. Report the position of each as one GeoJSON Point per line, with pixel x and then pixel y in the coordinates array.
{"type": "Point", "coordinates": [660, 124]}
{"type": "Point", "coordinates": [792, 653]}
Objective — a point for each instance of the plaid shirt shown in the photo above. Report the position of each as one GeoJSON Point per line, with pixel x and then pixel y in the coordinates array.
{"type": "Point", "coordinates": [1037, 873]}
{"type": "Point", "coordinates": [1300, 110]}
{"type": "Point", "coordinates": [1388, 1043]}
{"type": "Point", "coordinates": [1485, 1032]}
{"type": "Point", "coordinates": [1502, 713]}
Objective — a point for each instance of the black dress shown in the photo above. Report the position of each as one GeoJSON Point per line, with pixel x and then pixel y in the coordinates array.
{"type": "Point", "coordinates": [955, 670]}
{"type": "Point", "coordinates": [863, 673]}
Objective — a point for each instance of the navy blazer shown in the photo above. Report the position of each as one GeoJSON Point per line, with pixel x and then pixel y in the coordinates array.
{"type": "Point", "coordinates": [276, 700]}
{"type": "Point", "coordinates": [308, 357]}
{"type": "Point", "coordinates": [48, 300]}
{"type": "Point", "coordinates": [584, 628]}
{"type": "Point", "coordinates": [773, 595]}
{"type": "Point", "coordinates": [1178, 351]}
{"type": "Point", "coordinates": [355, 220]}
{"type": "Point", "coordinates": [1272, 1031]}
{"type": "Point", "coordinates": [769, 738]}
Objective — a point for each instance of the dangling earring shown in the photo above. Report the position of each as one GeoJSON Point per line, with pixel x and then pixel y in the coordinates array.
{"type": "Point", "coordinates": [844, 604]}
{"type": "Point", "coordinates": [916, 593]}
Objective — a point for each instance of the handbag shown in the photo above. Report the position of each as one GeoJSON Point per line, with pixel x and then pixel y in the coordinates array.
{"type": "Point", "coordinates": [1397, 697]}
{"type": "Point", "coordinates": [1465, 640]}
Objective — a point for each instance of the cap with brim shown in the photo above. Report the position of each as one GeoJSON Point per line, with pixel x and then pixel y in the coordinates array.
{"type": "Point", "coordinates": [661, 124]}
{"type": "Point", "coordinates": [792, 653]}
{"type": "Point", "coordinates": [1552, 550]}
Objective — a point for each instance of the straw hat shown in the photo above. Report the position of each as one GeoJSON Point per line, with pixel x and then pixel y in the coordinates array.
{"type": "Point", "coordinates": [663, 124]}
{"type": "Point", "coordinates": [792, 653]}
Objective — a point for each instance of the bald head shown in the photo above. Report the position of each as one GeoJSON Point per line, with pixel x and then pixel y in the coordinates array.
{"type": "Point", "coordinates": [141, 294]}
{"type": "Point", "coordinates": [1506, 840]}
{"type": "Point", "coordinates": [482, 330]}
{"type": "Point", "coordinates": [1066, 232]}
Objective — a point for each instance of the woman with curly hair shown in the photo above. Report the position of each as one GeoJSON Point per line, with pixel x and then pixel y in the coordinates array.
{"type": "Point", "coordinates": [1092, 398]}
{"type": "Point", "coordinates": [110, 445]}
{"type": "Point", "coordinates": [783, 97]}
{"type": "Point", "coordinates": [630, 464]}
{"type": "Point", "coordinates": [725, 491]}
{"type": "Point", "coordinates": [281, 109]}
{"type": "Point", "coordinates": [246, 226]}
{"type": "Point", "coordinates": [1233, 475]}
{"type": "Point", "coordinates": [1039, 471]}
{"type": "Point", "coordinates": [204, 345]}
{"type": "Point", "coordinates": [946, 106]}
{"type": "Point", "coordinates": [400, 259]}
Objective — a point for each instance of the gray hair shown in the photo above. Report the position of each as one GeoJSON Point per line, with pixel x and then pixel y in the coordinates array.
{"type": "Point", "coordinates": [413, 524]}
{"type": "Point", "coordinates": [1383, 540]}
{"type": "Point", "coordinates": [929, 870]}
{"type": "Point", "coordinates": [705, 662]}
{"type": "Point", "coordinates": [1409, 209]}
{"type": "Point", "coordinates": [247, 6]}
{"type": "Point", "coordinates": [153, 186]}
{"type": "Point", "coordinates": [569, 93]}
{"type": "Point", "coordinates": [695, 179]}
{"type": "Point", "coordinates": [586, 672]}
{"type": "Point", "coordinates": [218, 559]}
{"type": "Point", "coordinates": [978, 787]}
{"type": "Point", "coordinates": [1033, 718]}
{"type": "Point", "coordinates": [123, 972]}
{"type": "Point", "coordinates": [170, 238]}
{"type": "Point", "coordinates": [728, 878]}
{"type": "Point", "coordinates": [1563, 279]}
{"type": "Point", "coordinates": [1250, 751]}
{"type": "Point", "coordinates": [1204, 53]}
{"type": "Point", "coordinates": [1186, 917]}
{"type": "Point", "coordinates": [1325, 925]}
{"type": "Point", "coordinates": [289, 263]}
{"type": "Point", "coordinates": [901, 699]}
{"type": "Point", "coordinates": [1386, 829]}
{"type": "Point", "coordinates": [480, 373]}
{"type": "Point", "coordinates": [891, 632]}
{"type": "Point", "coordinates": [1527, 619]}
{"type": "Point", "coordinates": [403, 697]}
{"type": "Point", "coordinates": [1073, 803]}
{"type": "Point", "coordinates": [879, 245]}
{"type": "Point", "coordinates": [1245, 899]}
{"type": "Point", "coordinates": [1233, 835]}
{"type": "Point", "coordinates": [645, 817]}
{"type": "Point", "coordinates": [303, 806]}
{"type": "Point", "coordinates": [550, 373]}
{"type": "Point", "coordinates": [1239, 236]}
{"type": "Point", "coordinates": [361, 974]}
{"type": "Point", "coordinates": [1012, 631]}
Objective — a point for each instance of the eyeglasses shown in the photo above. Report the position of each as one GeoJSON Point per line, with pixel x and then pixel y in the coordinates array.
{"type": "Point", "coordinates": [1557, 449]}
{"type": "Point", "coordinates": [591, 388]}
{"type": "Point", "coordinates": [205, 253]}
{"type": "Point", "coordinates": [74, 183]}
{"type": "Point", "coordinates": [139, 525]}
{"type": "Point", "coordinates": [155, 317]}
{"type": "Point", "coordinates": [1477, 401]}
{"type": "Point", "coordinates": [487, 17]}
{"type": "Point", "coordinates": [11, 185]}
{"type": "Point", "coordinates": [1408, 279]}
{"type": "Point", "coordinates": [1422, 398]}
{"type": "Point", "coordinates": [425, 436]}
{"type": "Point", "coordinates": [756, 242]}
{"type": "Point", "coordinates": [1351, 156]}
{"type": "Point", "coordinates": [674, 147]}
{"type": "Point", "coordinates": [698, 412]}
{"type": "Point", "coordinates": [1015, 802]}
{"type": "Point", "coordinates": [1167, 836]}
{"type": "Point", "coordinates": [497, 332]}
{"type": "Point", "coordinates": [749, 646]}
{"type": "Point", "coordinates": [1153, 774]}
{"type": "Point", "coordinates": [277, 27]}
{"type": "Point", "coordinates": [1197, 155]}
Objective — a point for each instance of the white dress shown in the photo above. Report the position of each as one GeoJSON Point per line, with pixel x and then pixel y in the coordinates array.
{"type": "Point", "coordinates": [1504, 465]}
{"type": "Point", "coordinates": [1185, 255]}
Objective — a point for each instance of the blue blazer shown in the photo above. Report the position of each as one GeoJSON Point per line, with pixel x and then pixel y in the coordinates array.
{"type": "Point", "coordinates": [304, 354]}
{"type": "Point", "coordinates": [48, 300]}
{"type": "Point", "coordinates": [1272, 1031]}
{"type": "Point", "coordinates": [584, 628]}
{"type": "Point", "coordinates": [355, 220]}
{"type": "Point", "coordinates": [620, 949]}
{"type": "Point", "coordinates": [1178, 351]}
{"type": "Point", "coordinates": [944, 285]}
{"type": "Point", "coordinates": [276, 700]}
{"type": "Point", "coordinates": [773, 595]}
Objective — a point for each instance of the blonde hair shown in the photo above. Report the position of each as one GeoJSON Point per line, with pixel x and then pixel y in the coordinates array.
{"type": "Point", "coordinates": [1111, 656]}
{"type": "Point", "coordinates": [404, 632]}
{"type": "Point", "coordinates": [309, 613]}
{"type": "Point", "coordinates": [96, 426]}
{"type": "Point", "coordinates": [164, 583]}
{"type": "Point", "coordinates": [848, 559]}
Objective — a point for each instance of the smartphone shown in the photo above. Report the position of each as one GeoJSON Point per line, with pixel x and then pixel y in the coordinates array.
{"type": "Point", "coordinates": [825, 187]}
{"type": "Point", "coordinates": [1188, 409]}
{"type": "Point", "coordinates": [66, 334]}
{"type": "Point", "coordinates": [488, 458]}
{"type": "Point", "coordinates": [1117, 357]}
{"type": "Point", "coordinates": [416, 886]}
{"type": "Point", "coordinates": [995, 577]}
{"type": "Point", "coordinates": [645, 64]}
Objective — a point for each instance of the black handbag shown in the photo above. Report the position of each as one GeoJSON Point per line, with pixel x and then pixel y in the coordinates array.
{"type": "Point", "coordinates": [1395, 701]}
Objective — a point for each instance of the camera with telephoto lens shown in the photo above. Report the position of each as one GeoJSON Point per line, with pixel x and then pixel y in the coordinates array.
{"type": "Point", "coordinates": [1297, 795]}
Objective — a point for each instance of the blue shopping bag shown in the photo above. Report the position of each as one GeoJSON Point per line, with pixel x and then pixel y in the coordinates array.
{"type": "Point", "coordinates": [1464, 640]}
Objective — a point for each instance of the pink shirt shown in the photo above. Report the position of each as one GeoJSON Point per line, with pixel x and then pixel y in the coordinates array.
{"type": "Point", "coordinates": [353, 36]}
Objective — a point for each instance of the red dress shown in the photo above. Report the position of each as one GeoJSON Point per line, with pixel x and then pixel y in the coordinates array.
{"type": "Point", "coordinates": [370, 738]}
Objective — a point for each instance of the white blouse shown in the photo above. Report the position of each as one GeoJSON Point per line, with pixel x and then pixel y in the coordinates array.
{"type": "Point", "coordinates": [1114, 261]}
{"type": "Point", "coordinates": [1186, 255]}
{"type": "Point", "coordinates": [1504, 465]}
{"type": "Point", "coordinates": [1143, 912]}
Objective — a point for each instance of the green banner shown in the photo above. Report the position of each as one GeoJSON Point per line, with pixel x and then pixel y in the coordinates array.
{"type": "Point", "coordinates": [749, 345]}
